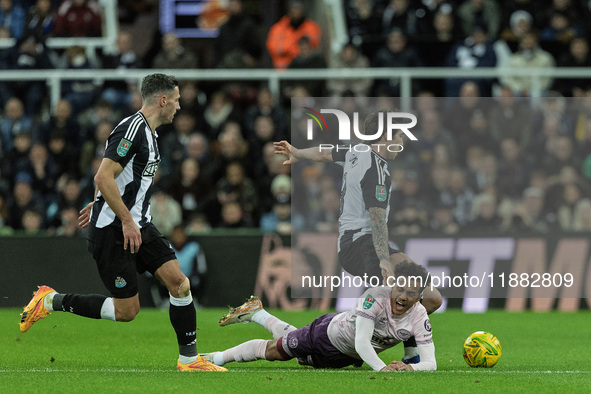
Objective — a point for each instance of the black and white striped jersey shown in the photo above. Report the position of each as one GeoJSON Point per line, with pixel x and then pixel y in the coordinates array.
{"type": "Point", "coordinates": [366, 184]}
{"type": "Point", "coordinates": [133, 145]}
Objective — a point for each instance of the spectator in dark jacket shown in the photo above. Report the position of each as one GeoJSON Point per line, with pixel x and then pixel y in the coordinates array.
{"type": "Point", "coordinates": [118, 92]}
{"type": "Point", "coordinates": [173, 54]}
{"type": "Point", "coordinates": [27, 54]}
{"type": "Point", "coordinates": [80, 93]}
{"type": "Point", "coordinates": [395, 53]}
{"type": "Point", "coordinates": [41, 19]}
{"type": "Point", "coordinates": [577, 56]}
{"type": "Point", "coordinates": [307, 58]}
{"type": "Point", "coordinates": [237, 45]}
{"type": "Point", "coordinates": [23, 199]}
{"type": "Point", "coordinates": [474, 52]}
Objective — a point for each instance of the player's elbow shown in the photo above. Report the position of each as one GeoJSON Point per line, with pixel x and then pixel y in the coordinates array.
{"type": "Point", "coordinates": [99, 179]}
{"type": "Point", "coordinates": [326, 155]}
{"type": "Point", "coordinates": [431, 304]}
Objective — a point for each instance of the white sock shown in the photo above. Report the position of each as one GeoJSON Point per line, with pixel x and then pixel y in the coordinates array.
{"type": "Point", "coordinates": [248, 351]}
{"type": "Point", "coordinates": [108, 309]}
{"type": "Point", "coordinates": [48, 301]}
{"type": "Point", "coordinates": [184, 301]}
{"type": "Point", "coordinates": [186, 359]}
{"type": "Point", "coordinates": [276, 327]}
{"type": "Point", "coordinates": [218, 358]}
{"type": "Point", "coordinates": [260, 317]}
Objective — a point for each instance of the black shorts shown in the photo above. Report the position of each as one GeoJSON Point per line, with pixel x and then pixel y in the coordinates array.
{"type": "Point", "coordinates": [118, 267]}
{"type": "Point", "coordinates": [359, 257]}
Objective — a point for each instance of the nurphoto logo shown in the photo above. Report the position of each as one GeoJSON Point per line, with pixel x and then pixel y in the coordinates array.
{"type": "Point", "coordinates": [388, 122]}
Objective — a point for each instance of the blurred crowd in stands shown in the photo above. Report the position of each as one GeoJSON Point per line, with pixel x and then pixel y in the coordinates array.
{"type": "Point", "coordinates": [506, 163]}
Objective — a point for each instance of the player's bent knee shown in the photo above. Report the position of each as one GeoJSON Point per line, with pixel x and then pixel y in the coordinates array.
{"type": "Point", "coordinates": [126, 309]}
{"type": "Point", "coordinates": [126, 315]}
{"type": "Point", "coordinates": [185, 288]}
{"type": "Point", "coordinates": [272, 353]}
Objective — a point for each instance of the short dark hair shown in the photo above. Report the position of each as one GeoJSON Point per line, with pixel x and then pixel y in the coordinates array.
{"type": "Point", "coordinates": [408, 268]}
{"type": "Point", "coordinates": [157, 83]}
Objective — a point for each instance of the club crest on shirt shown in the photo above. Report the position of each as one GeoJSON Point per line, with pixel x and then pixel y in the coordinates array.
{"type": "Point", "coordinates": [120, 282]}
{"type": "Point", "coordinates": [123, 147]}
{"type": "Point", "coordinates": [368, 302]}
{"type": "Point", "coordinates": [381, 193]}
{"type": "Point", "coordinates": [403, 334]}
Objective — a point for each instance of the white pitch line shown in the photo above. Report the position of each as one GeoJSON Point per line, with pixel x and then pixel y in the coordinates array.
{"type": "Point", "coordinates": [306, 370]}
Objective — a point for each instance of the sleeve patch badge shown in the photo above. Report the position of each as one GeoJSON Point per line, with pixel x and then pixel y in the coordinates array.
{"type": "Point", "coordinates": [368, 302]}
{"type": "Point", "coordinates": [123, 147]}
{"type": "Point", "coordinates": [381, 193]}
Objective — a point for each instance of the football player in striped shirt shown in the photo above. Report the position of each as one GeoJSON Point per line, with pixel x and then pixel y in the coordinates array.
{"type": "Point", "coordinates": [121, 237]}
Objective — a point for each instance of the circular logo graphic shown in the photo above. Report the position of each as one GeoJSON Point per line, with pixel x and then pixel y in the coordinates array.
{"type": "Point", "coordinates": [403, 334]}
{"type": "Point", "coordinates": [428, 325]}
{"type": "Point", "coordinates": [120, 282]}
{"type": "Point", "coordinates": [293, 342]}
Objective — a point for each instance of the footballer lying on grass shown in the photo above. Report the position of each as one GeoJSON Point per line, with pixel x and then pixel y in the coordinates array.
{"type": "Point", "coordinates": [383, 317]}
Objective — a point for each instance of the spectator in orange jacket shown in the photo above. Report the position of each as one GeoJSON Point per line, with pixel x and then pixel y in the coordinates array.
{"type": "Point", "coordinates": [282, 41]}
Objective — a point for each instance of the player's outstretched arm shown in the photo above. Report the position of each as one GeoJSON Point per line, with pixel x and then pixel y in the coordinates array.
{"type": "Point", "coordinates": [363, 332]}
{"type": "Point", "coordinates": [427, 355]}
{"type": "Point", "coordinates": [427, 363]}
{"type": "Point", "coordinates": [294, 154]}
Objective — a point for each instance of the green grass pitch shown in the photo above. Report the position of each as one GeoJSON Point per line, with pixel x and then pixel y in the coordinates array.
{"type": "Point", "coordinates": [542, 352]}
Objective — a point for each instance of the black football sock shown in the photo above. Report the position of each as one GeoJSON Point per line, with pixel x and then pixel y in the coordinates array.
{"type": "Point", "coordinates": [184, 321]}
{"type": "Point", "coordinates": [410, 342]}
{"type": "Point", "coordinates": [87, 305]}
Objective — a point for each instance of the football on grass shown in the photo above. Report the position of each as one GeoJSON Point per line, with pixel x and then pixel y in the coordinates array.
{"type": "Point", "coordinates": [482, 349]}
